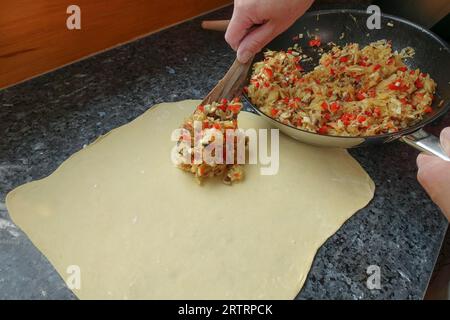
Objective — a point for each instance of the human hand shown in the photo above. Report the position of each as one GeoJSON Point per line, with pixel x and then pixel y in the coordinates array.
{"type": "Point", "coordinates": [271, 18]}
{"type": "Point", "coordinates": [434, 175]}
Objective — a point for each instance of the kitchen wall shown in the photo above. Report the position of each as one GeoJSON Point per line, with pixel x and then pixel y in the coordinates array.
{"type": "Point", "coordinates": [34, 37]}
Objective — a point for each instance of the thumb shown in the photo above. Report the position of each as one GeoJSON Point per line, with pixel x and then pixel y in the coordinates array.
{"type": "Point", "coordinates": [255, 41]}
{"type": "Point", "coordinates": [445, 140]}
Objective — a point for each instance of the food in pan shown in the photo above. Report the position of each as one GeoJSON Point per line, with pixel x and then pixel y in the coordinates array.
{"type": "Point", "coordinates": [219, 117]}
{"type": "Point", "coordinates": [352, 92]}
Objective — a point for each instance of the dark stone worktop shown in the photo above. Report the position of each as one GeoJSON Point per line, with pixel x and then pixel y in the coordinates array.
{"type": "Point", "coordinates": [45, 120]}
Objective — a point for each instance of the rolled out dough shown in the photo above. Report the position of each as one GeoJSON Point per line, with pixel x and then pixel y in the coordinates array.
{"type": "Point", "coordinates": [139, 228]}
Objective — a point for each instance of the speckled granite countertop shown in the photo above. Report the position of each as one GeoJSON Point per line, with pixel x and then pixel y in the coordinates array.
{"type": "Point", "coordinates": [45, 120]}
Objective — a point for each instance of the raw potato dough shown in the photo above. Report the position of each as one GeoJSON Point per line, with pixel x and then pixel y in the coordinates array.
{"type": "Point", "coordinates": [140, 228]}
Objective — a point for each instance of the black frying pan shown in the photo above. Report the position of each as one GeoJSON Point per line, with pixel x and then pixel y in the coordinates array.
{"type": "Point", "coordinates": [432, 55]}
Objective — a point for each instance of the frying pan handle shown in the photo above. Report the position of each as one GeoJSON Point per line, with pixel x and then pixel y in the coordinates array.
{"type": "Point", "coordinates": [426, 142]}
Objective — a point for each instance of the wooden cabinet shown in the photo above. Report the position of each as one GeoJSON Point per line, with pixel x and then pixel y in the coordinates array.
{"type": "Point", "coordinates": [34, 37]}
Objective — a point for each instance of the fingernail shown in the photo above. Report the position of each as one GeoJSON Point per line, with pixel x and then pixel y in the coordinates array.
{"type": "Point", "coordinates": [244, 56]}
{"type": "Point", "coordinates": [420, 160]}
{"type": "Point", "coordinates": [445, 139]}
{"type": "Point", "coordinates": [446, 133]}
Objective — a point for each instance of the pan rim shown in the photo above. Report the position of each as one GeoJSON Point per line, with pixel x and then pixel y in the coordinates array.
{"type": "Point", "coordinates": [393, 135]}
